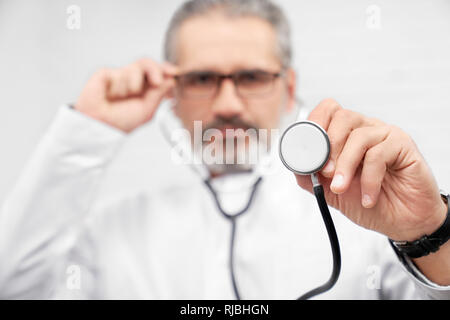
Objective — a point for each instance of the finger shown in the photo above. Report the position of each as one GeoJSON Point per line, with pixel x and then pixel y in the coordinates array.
{"type": "Point", "coordinates": [154, 96]}
{"type": "Point", "coordinates": [342, 124]}
{"type": "Point", "coordinates": [101, 80]}
{"type": "Point", "coordinates": [323, 113]}
{"type": "Point", "coordinates": [359, 141]}
{"type": "Point", "coordinates": [97, 86]}
{"type": "Point", "coordinates": [372, 175]}
{"type": "Point", "coordinates": [152, 70]}
{"type": "Point", "coordinates": [117, 85]}
{"type": "Point", "coordinates": [377, 160]}
{"type": "Point", "coordinates": [169, 70]}
{"type": "Point", "coordinates": [135, 80]}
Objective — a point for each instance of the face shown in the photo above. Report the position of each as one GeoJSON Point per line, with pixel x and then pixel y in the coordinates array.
{"type": "Point", "coordinates": [215, 43]}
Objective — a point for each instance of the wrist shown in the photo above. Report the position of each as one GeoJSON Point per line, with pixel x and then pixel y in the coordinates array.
{"type": "Point", "coordinates": [434, 223]}
{"type": "Point", "coordinates": [435, 266]}
{"type": "Point", "coordinates": [431, 238]}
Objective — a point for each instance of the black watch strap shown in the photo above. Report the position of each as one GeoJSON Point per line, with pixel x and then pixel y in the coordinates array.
{"type": "Point", "coordinates": [428, 243]}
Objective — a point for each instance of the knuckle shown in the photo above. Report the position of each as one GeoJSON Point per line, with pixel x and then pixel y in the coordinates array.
{"type": "Point", "coordinates": [401, 135]}
{"type": "Point", "coordinates": [349, 116]}
{"type": "Point", "coordinates": [374, 121]}
{"type": "Point", "coordinates": [373, 155]}
{"type": "Point", "coordinates": [131, 68]}
{"type": "Point", "coordinates": [357, 132]}
{"type": "Point", "coordinates": [326, 107]}
{"type": "Point", "coordinates": [144, 61]}
{"type": "Point", "coordinates": [149, 65]}
{"type": "Point", "coordinates": [342, 114]}
{"type": "Point", "coordinates": [102, 73]}
{"type": "Point", "coordinates": [114, 76]}
{"type": "Point", "coordinates": [397, 130]}
{"type": "Point", "coordinates": [329, 102]}
{"type": "Point", "coordinates": [356, 137]}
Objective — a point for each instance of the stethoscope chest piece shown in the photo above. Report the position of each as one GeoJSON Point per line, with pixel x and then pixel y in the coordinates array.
{"type": "Point", "coordinates": [304, 147]}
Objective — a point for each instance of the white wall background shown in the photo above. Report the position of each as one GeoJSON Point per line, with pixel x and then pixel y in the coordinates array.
{"type": "Point", "coordinates": [399, 73]}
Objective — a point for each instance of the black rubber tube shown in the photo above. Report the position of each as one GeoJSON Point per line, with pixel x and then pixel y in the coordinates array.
{"type": "Point", "coordinates": [334, 242]}
{"type": "Point", "coordinates": [232, 219]}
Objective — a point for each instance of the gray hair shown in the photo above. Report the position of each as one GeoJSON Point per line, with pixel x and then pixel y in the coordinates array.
{"type": "Point", "coordinates": [264, 9]}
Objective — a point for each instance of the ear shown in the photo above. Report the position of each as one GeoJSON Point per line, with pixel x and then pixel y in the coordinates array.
{"type": "Point", "coordinates": [291, 83]}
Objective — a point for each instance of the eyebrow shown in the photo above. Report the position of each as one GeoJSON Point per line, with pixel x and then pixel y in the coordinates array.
{"type": "Point", "coordinates": [209, 71]}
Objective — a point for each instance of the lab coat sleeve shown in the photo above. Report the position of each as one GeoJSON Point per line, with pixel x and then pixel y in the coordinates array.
{"type": "Point", "coordinates": [50, 201]}
{"type": "Point", "coordinates": [425, 288]}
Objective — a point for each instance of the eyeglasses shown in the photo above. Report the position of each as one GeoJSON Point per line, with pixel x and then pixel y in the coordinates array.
{"type": "Point", "coordinates": [206, 84]}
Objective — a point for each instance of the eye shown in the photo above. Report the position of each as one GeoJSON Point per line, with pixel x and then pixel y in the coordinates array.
{"type": "Point", "coordinates": [248, 76]}
{"type": "Point", "coordinates": [253, 77]}
{"type": "Point", "coordinates": [201, 79]}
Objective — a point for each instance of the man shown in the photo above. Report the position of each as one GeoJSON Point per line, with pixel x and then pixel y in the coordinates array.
{"type": "Point", "coordinates": [229, 67]}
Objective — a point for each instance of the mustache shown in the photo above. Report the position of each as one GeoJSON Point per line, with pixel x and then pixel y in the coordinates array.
{"type": "Point", "coordinates": [234, 122]}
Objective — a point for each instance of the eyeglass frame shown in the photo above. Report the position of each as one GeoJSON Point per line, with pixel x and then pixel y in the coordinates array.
{"type": "Point", "coordinates": [232, 76]}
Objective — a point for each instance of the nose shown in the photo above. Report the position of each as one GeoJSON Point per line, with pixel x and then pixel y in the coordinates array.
{"type": "Point", "coordinates": [227, 103]}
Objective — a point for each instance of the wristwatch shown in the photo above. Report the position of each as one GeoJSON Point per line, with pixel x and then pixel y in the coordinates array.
{"type": "Point", "coordinates": [428, 243]}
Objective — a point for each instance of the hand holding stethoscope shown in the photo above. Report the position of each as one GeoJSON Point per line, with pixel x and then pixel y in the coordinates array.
{"type": "Point", "coordinates": [376, 177]}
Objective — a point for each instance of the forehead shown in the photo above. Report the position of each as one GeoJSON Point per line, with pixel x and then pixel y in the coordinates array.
{"type": "Point", "coordinates": [217, 42]}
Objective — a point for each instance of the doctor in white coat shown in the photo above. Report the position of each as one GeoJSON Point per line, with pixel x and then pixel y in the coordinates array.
{"type": "Point", "coordinates": [229, 66]}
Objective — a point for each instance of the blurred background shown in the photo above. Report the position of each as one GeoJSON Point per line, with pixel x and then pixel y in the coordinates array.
{"type": "Point", "coordinates": [388, 59]}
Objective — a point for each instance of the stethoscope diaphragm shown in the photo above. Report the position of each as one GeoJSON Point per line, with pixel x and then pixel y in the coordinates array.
{"type": "Point", "coordinates": [304, 147]}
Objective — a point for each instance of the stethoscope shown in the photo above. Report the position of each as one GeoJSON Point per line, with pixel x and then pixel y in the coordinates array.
{"type": "Point", "coordinates": [304, 149]}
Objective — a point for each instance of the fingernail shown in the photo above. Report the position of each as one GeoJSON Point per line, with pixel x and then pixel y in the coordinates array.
{"type": "Point", "coordinates": [366, 200]}
{"type": "Point", "coordinates": [338, 181]}
{"type": "Point", "coordinates": [329, 168]}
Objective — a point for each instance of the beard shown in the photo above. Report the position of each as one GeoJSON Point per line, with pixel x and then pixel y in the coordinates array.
{"type": "Point", "coordinates": [233, 146]}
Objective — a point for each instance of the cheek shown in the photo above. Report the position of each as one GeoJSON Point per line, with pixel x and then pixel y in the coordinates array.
{"type": "Point", "coordinates": [267, 112]}
{"type": "Point", "coordinates": [188, 112]}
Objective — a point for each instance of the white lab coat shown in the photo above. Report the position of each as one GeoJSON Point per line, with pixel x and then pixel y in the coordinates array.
{"type": "Point", "coordinates": [174, 244]}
